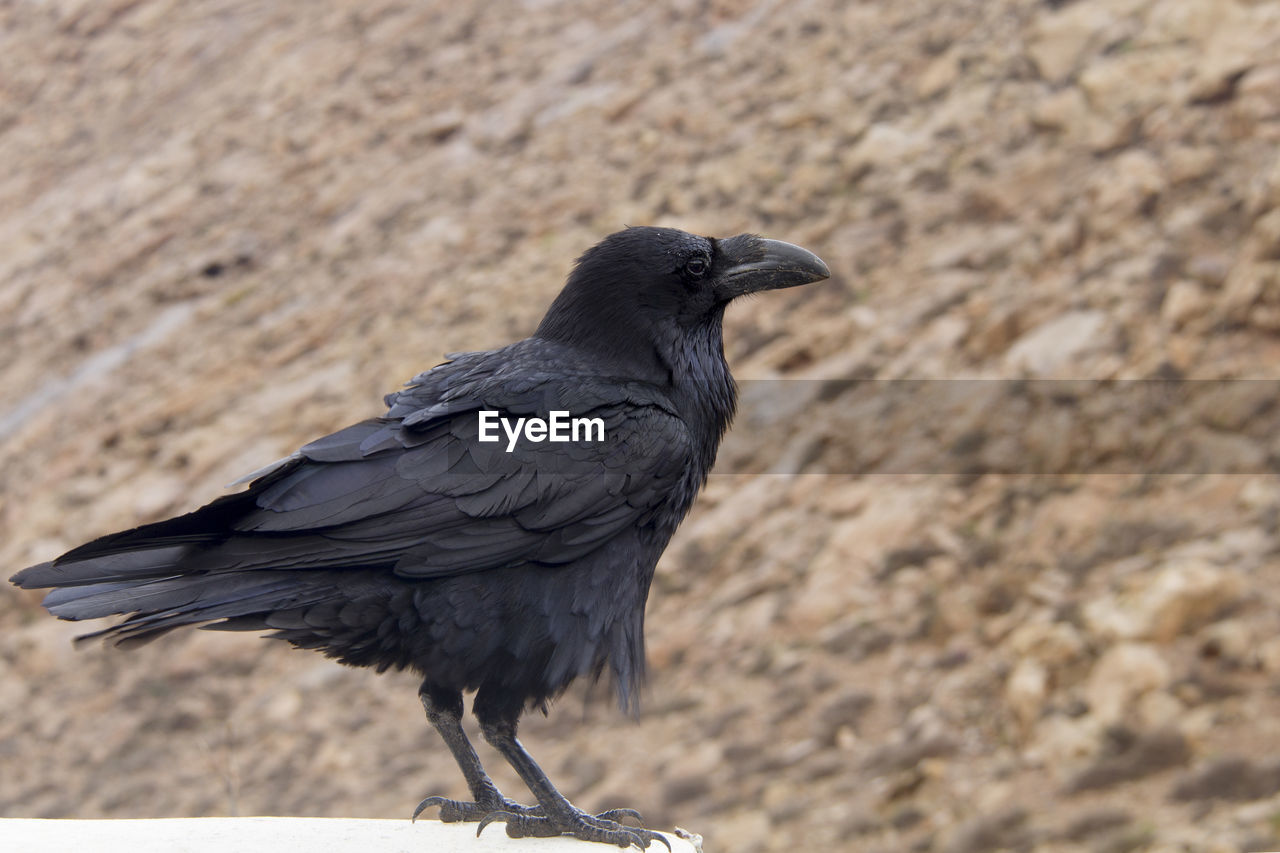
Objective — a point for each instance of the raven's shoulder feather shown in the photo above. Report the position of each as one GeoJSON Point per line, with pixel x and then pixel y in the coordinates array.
{"type": "Point", "coordinates": [515, 378]}
{"type": "Point", "coordinates": [420, 483]}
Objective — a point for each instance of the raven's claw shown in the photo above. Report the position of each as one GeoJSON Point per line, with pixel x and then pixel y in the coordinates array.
{"type": "Point", "coordinates": [456, 811]}
{"type": "Point", "coordinates": [601, 827]}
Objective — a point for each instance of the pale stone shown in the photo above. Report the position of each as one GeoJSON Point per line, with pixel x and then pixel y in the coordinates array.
{"type": "Point", "coordinates": [1230, 639]}
{"type": "Point", "coordinates": [1050, 349]}
{"type": "Point", "coordinates": [1064, 109]}
{"type": "Point", "coordinates": [157, 493]}
{"type": "Point", "coordinates": [1061, 39]}
{"type": "Point", "coordinates": [1187, 163]}
{"type": "Point", "coordinates": [1269, 655]}
{"type": "Point", "coordinates": [747, 829]}
{"type": "Point", "coordinates": [1260, 493]}
{"type": "Point", "coordinates": [1053, 644]}
{"type": "Point", "coordinates": [938, 75]}
{"type": "Point", "coordinates": [1258, 94]}
{"type": "Point", "coordinates": [1135, 178]}
{"type": "Point", "coordinates": [1264, 237]}
{"type": "Point", "coordinates": [1183, 302]}
{"type": "Point", "coordinates": [1123, 674]}
{"type": "Point", "coordinates": [197, 835]}
{"type": "Point", "coordinates": [1185, 595]}
{"type": "Point", "coordinates": [1026, 689]}
{"type": "Point", "coordinates": [1160, 709]}
{"type": "Point", "coordinates": [1248, 283]}
{"type": "Point", "coordinates": [1263, 193]}
{"type": "Point", "coordinates": [885, 145]}
{"type": "Point", "coordinates": [1131, 84]}
{"type": "Point", "coordinates": [1179, 598]}
{"type": "Point", "coordinates": [1239, 42]}
{"type": "Point", "coordinates": [1061, 740]}
{"type": "Point", "coordinates": [1174, 20]}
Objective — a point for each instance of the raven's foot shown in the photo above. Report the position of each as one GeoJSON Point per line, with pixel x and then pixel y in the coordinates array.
{"type": "Point", "coordinates": [455, 811]}
{"type": "Point", "coordinates": [603, 827]}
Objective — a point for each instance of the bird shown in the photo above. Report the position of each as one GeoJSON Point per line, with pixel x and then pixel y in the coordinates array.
{"type": "Point", "coordinates": [505, 569]}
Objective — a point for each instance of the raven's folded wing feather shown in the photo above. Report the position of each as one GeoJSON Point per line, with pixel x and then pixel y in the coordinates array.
{"type": "Point", "coordinates": [452, 504]}
{"type": "Point", "coordinates": [426, 500]}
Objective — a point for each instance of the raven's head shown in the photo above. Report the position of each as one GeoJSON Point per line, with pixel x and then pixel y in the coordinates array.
{"type": "Point", "coordinates": [642, 289]}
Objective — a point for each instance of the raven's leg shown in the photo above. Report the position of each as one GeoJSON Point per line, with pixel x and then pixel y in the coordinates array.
{"type": "Point", "coordinates": [444, 712]}
{"type": "Point", "coordinates": [557, 815]}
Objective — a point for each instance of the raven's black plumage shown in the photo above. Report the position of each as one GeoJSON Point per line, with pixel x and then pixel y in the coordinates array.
{"type": "Point", "coordinates": [405, 542]}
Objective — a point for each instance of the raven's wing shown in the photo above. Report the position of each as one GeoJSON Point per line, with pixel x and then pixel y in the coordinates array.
{"type": "Point", "coordinates": [424, 495]}
{"type": "Point", "coordinates": [416, 493]}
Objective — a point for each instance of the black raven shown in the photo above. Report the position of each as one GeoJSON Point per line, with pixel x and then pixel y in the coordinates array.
{"type": "Point", "coordinates": [509, 567]}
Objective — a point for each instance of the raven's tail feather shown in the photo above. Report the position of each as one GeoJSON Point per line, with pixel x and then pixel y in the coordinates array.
{"type": "Point", "coordinates": [150, 551]}
{"type": "Point", "coordinates": [209, 601]}
{"type": "Point", "coordinates": [148, 574]}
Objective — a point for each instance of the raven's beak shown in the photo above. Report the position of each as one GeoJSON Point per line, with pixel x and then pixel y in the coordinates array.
{"type": "Point", "coordinates": [756, 264]}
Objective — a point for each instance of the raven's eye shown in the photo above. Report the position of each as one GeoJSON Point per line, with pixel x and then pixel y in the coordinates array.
{"type": "Point", "coordinates": [696, 267]}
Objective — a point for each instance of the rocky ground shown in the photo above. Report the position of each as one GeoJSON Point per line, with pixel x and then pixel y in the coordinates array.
{"type": "Point", "coordinates": [950, 616]}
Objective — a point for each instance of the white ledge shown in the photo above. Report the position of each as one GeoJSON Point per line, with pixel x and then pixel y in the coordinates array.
{"type": "Point", "coordinates": [276, 834]}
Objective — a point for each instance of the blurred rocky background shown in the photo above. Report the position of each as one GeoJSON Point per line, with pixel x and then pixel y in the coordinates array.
{"type": "Point", "coordinates": [229, 227]}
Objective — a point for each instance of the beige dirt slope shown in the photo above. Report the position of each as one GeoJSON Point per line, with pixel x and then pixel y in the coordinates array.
{"type": "Point", "coordinates": [229, 227]}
